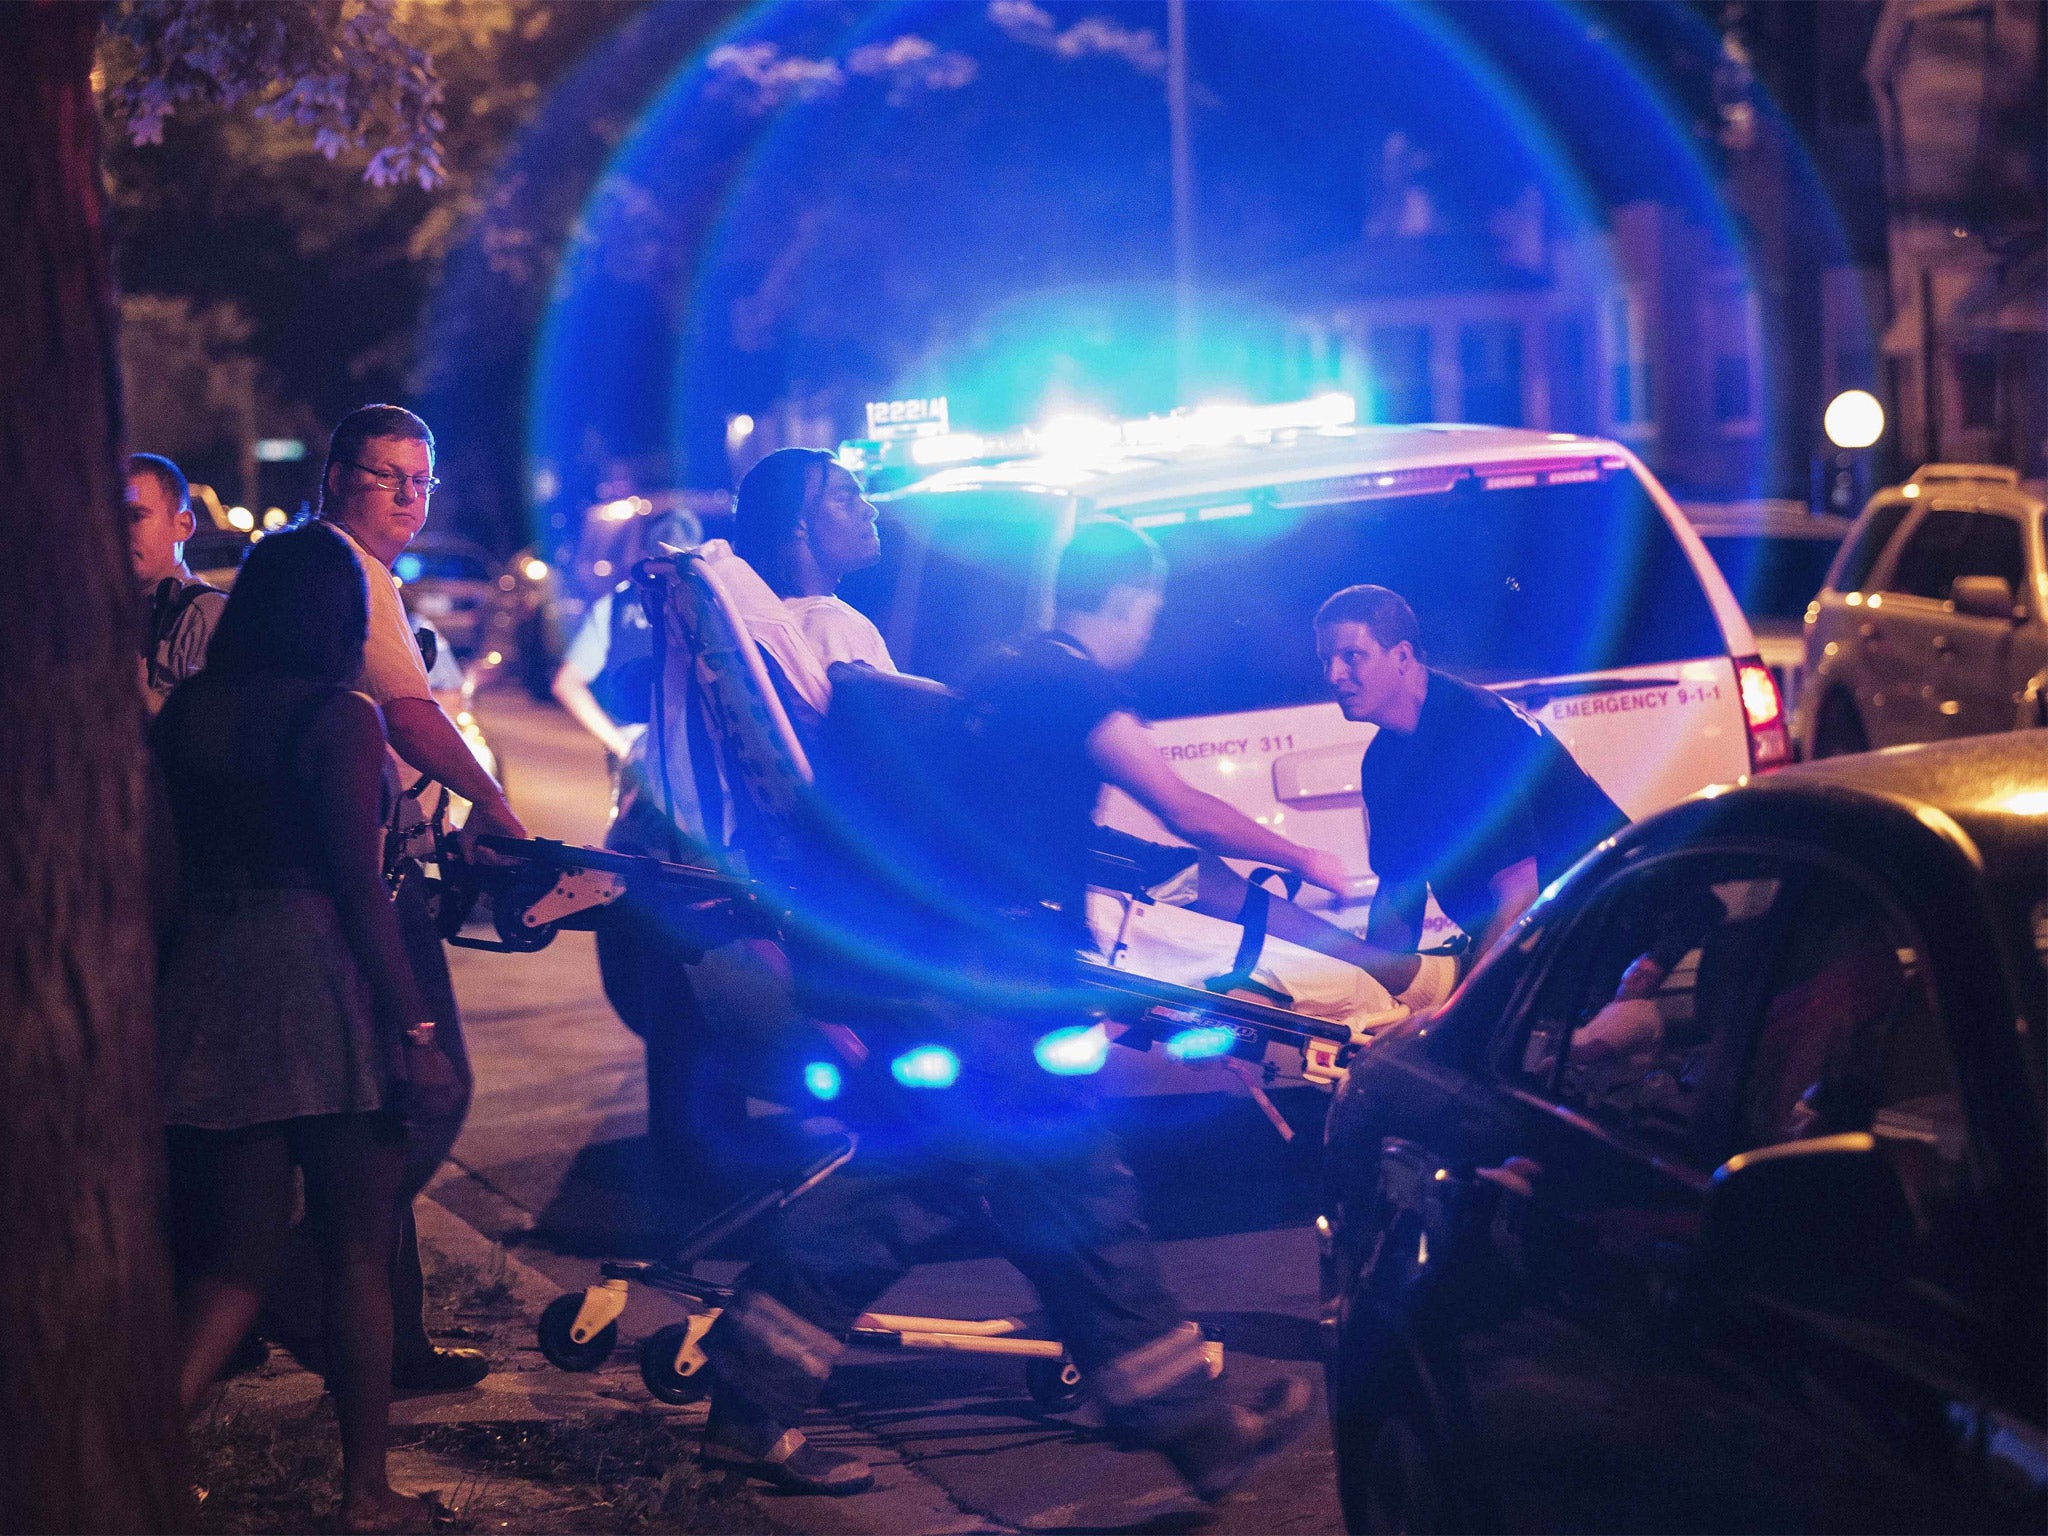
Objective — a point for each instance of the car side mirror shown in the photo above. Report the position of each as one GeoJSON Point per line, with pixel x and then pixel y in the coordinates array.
{"type": "Point", "coordinates": [1982, 597]}
{"type": "Point", "coordinates": [1807, 1213]}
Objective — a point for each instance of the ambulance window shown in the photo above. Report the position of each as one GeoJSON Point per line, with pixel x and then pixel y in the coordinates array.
{"type": "Point", "coordinates": [1507, 584]}
{"type": "Point", "coordinates": [973, 584]}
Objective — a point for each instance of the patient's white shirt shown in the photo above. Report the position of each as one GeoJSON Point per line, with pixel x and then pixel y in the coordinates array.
{"type": "Point", "coordinates": [838, 631]}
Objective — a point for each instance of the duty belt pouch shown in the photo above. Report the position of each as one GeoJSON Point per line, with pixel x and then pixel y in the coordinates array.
{"type": "Point", "coordinates": [1252, 918]}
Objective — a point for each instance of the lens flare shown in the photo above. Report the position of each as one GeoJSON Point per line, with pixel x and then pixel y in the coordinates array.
{"type": "Point", "coordinates": [1073, 1052]}
{"type": "Point", "coordinates": [1204, 1042]}
{"type": "Point", "coordinates": [822, 1080]}
{"type": "Point", "coordinates": [926, 1066]}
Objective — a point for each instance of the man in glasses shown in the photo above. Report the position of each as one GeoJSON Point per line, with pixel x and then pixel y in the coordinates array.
{"type": "Point", "coordinates": [375, 489]}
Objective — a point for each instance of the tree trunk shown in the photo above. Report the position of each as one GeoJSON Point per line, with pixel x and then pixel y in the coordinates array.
{"type": "Point", "coordinates": [89, 1437]}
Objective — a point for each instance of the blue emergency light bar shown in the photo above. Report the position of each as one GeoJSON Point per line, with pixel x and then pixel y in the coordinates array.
{"type": "Point", "coordinates": [901, 433]}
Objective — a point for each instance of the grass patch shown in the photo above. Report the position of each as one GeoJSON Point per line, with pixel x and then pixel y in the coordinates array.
{"type": "Point", "coordinates": [266, 1471]}
{"type": "Point", "coordinates": [628, 1472]}
{"type": "Point", "coordinates": [625, 1472]}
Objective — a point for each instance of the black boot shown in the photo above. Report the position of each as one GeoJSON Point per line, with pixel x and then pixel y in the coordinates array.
{"type": "Point", "coordinates": [751, 1444]}
{"type": "Point", "coordinates": [1221, 1451]}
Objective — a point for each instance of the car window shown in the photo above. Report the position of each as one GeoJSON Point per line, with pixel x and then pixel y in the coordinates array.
{"type": "Point", "coordinates": [1507, 584]}
{"type": "Point", "coordinates": [1949, 543]}
{"type": "Point", "coordinates": [1865, 545]}
{"type": "Point", "coordinates": [1772, 578]}
{"type": "Point", "coordinates": [1653, 1001]}
{"type": "Point", "coordinates": [1995, 546]}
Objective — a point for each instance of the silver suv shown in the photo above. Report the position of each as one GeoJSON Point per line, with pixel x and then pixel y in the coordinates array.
{"type": "Point", "coordinates": [1934, 619]}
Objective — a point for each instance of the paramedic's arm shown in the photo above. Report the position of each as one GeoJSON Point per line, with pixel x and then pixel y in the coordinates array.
{"type": "Point", "coordinates": [1395, 924]}
{"type": "Point", "coordinates": [1514, 892]}
{"type": "Point", "coordinates": [574, 695]}
{"type": "Point", "coordinates": [1125, 754]}
{"type": "Point", "coordinates": [427, 739]}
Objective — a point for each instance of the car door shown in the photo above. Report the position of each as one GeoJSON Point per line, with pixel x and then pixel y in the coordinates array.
{"type": "Point", "coordinates": [1583, 1404]}
{"type": "Point", "coordinates": [1973, 666]}
{"type": "Point", "coordinates": [1896, 632]}
{"type": "Point", "coordinates": [1869, 1383]}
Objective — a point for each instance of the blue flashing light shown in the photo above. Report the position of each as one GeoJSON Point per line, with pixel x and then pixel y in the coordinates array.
{"type": "Point", "coordinates": [407, 567]}
{"type": "Point", "coordinates": [1074, 1051]}
{"type": "Point", "coordinates": [926, 1066]}
{"type": "Point", "coordinates": [822, 1080]}
{"type": "Point", "coordinates": [1202, 1043]}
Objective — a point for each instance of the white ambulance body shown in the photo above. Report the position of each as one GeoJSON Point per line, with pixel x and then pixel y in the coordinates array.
{"type": "Point", "coordinates": [1551, 568]}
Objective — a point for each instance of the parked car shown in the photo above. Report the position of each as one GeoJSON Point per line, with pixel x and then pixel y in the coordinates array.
{"type": "Point", "coordinates": [1713, 1200]}
{"type": "Point", "coordinates": [1775, 555]}
{"type": "Point", "coordinates": [1934, 619]}
{"type": "Point", "coordinates": [455, 584]}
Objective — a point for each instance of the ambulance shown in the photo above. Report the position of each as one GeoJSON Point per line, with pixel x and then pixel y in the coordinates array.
{"type": "Point", "coordinates": [1550, 567]}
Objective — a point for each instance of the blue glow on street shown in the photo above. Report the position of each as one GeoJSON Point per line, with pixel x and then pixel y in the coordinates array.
{"type": "Point", "coordinates": [1074, 1051]}
{"type": "Point", "coordinates": [822, 1080]}
{"type": "Point", "coordinates": [926, 1066]}
{"type": "Point", "coordinates": [1202, 1043]}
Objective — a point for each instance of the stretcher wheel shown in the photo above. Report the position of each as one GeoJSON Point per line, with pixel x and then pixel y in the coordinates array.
{"type": "Point", "coordinates": [658, 1367]}
{"type": "Point", "coordinates": [1053, 1383]}
{"type": "Point", "coordinates": [556, 1319]}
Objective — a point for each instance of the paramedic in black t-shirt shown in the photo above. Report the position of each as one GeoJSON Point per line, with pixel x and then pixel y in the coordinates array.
{"type": "Point", "coordinates": [1048, 723]}
{"type": "Point", "coordinates": [1466, 797]}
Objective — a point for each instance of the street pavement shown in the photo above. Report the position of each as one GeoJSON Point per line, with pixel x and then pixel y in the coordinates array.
{"type": "Point", "coordinates": [554, 1164]}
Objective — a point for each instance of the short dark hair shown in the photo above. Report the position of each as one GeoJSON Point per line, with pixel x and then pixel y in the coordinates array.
{"type": "Point", "coordinates": [166, 474]}
{"type": "Point", "coordinates": [1105, 554]}
{"type": "Point", "coordinates": [299, 608]}
{"type": "Point", "coordinates": [364, 423]}
{"type": "Point", "coordinates": [767, 507]}
{"type": "Point", "coordinates": [1380, 609]}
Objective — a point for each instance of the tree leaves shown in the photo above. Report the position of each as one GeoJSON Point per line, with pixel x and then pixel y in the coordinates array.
{"type": "Point", "coordinates": [336, 67]}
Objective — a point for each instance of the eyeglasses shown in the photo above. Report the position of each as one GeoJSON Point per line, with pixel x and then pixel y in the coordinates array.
{"type": "Point", "coordinates": [422, 486]}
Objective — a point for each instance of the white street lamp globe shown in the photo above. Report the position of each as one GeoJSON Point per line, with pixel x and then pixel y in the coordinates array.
{"type": "Point", "coordinates": [1854, 419]}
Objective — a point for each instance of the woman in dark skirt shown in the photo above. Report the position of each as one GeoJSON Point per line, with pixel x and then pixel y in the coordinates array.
{"type": "Point", "coordinates": [292, 1030]}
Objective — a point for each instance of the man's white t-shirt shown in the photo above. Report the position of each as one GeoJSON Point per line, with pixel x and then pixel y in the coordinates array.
{"type": "Point", "coordinates": [392, 666]}
{"type": "Point", "coordinates": [838, 631]}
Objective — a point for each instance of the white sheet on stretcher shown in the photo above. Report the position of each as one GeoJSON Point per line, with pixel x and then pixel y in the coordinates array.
{"type": "Point", "coordinates": [1171, 943]}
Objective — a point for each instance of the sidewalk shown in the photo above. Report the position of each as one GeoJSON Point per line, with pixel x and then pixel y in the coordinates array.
{"type": "Point", "coordinates": [533, 1448]}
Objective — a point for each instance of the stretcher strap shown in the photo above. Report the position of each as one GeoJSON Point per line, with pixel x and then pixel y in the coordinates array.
{"type": "Point", "coordinates": [1253, 917]}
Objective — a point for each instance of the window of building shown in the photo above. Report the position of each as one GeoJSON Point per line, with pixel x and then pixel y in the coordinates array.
{"type": "Point", "coordinates": [1571, 377]}
{"type": "Point", "coordinates": [1490, 373]}
{"type": "Point", "coordinates": [1629, 360]}
{"type": "Point", "coordinates": [1397, 365]}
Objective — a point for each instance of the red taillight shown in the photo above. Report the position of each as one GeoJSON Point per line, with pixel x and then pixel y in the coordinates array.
{"type": "Point", "coordinates": [1764, 714]}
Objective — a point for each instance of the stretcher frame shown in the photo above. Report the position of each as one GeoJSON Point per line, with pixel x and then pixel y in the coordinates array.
{"type": "Point", "coordinates": [543, 887]}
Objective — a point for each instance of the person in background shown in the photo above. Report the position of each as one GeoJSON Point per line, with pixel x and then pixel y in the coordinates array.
{"type": "Point", "coordinates": [293, 1029]}
{"type": "Point", "coordinates": [1467, 799]}
{"type": "Point", "coordinates": [606, 680]}
{"type": "Point", "coordinates": [375, 490]}
{"type": "Point", "coordinates": [606, 683]}
{"type": "Point", "coordinates": [179, 610]}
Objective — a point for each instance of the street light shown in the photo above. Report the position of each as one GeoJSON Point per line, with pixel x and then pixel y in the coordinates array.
{"type": "Point", "coordinates": [1854, 419]}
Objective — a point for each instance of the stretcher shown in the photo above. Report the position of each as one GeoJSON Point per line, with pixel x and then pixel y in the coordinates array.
{"type": "Point", "coordinates": [755, 785]}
